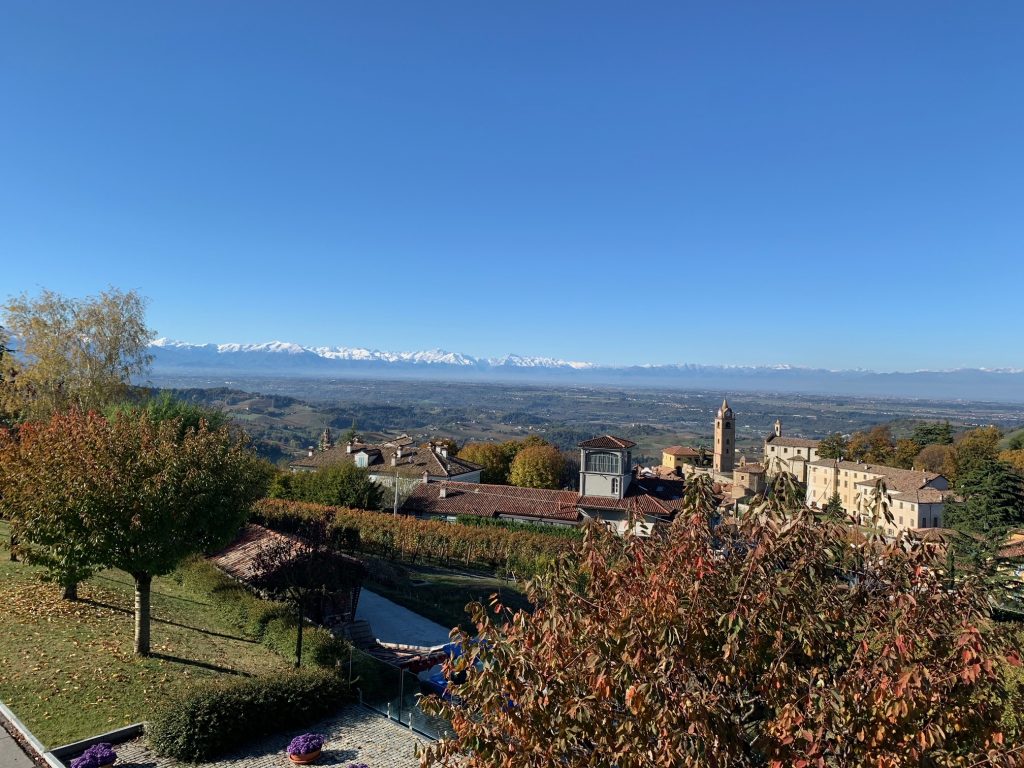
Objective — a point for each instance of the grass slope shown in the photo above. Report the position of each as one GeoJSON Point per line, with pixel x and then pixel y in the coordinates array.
{"type": "Point", "coordinates": [68, 671]}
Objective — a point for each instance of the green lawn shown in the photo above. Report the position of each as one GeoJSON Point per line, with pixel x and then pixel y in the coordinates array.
{"type": "Point", "coordinates": [67, 669]}
{"type": "Point", "coordinates": [442, 595]}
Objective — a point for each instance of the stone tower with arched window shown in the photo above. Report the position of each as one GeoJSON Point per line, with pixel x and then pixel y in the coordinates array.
{"type": "Point", "coordinates": [725, 439]}
{"type": "Point", "coordinates": [606, 466]}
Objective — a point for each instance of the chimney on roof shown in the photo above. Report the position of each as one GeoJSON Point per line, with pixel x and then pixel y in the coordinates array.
{"type": "Point", "coordinates": [310, 453]}
{"type": "Point", "coordinates": [444, 452]}
{"type": "Point", "coordinates": [394, 461]}
{"type": "Point", "coordinates": [442, 492]}
{"type": "Point", "coordinates": [348, 447]}
{"type": "Point", "coordinates": [398, 453]}
{"type": "Point", "coordinates": [426, 476]}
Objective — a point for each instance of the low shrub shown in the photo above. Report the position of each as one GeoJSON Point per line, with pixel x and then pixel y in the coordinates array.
{"type": "Point", "coordinates": [273, 624]}
{"type": "Point", "coordinates": [212, 719]}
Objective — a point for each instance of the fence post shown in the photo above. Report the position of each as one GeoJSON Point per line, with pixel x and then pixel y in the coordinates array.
{"type": "Point", "coordinates": [401, 694]}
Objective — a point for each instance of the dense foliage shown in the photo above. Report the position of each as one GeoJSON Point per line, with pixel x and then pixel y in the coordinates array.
{"type": "Point", "coordinates": [214, 718]}
{"type": "Point", "coordinates": [73, 353]}
{"type": "Point", "coordinates": [776, 640]}
{"type": "Point", "coordinates": [393, 537]}
{"type": "Point", "coordinates": [537, 466]}
{"type": "Point", "coordinates": [342, 485]}
{"type": "Point", "coordinates": [990, 500]}
{"type": "Point", "coordinates": [83, 492]}
{"type": "Point", "coordinates": [561, 531]}
{"type": "Point", "coordinates": [165, 407]}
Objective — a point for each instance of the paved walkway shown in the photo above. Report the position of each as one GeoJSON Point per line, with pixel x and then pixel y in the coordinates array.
{"type": "Point", "coordinates": [392, 623]}
{"type": "Point", "coordinates": [354, 735]}
{"type": "Point", "coordinates": [11, 755]}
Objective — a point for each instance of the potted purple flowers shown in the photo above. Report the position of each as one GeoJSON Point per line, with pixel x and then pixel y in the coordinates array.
{"type": "Point", "coordinates": [96, 756]}
{"type": "Point", "coordinates": [305, 749]}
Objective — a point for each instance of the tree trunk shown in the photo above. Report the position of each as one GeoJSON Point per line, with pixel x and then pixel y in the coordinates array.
{"type": "Point", "coordinates": [70, 590]}
{"type": "Point", "coordinates": [143, 581]}
{"type": "Point", "coordinates": [14, 543]}
{"type": "Point", "coordinates": [298, 636]}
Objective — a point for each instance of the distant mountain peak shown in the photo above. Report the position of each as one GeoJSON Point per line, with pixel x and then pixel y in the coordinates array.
{"type": "Point", "coordinates": [282, 358]}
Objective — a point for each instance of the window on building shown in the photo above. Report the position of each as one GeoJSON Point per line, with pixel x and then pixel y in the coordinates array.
{"type": "Point", "coordinates": [361, 460]}
{"type": "Point", "coordinates": [728, 425]}
{"type": "Point", "coordinates": [785, 450]}
{"type": "Point", "coordinates": [603, 462]}
{"type": "Point", "coordinates": [615, 485]}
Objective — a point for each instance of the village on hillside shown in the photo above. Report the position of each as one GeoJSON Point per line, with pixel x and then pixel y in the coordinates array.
{"type": "Point", "coordinates": [433, 483]}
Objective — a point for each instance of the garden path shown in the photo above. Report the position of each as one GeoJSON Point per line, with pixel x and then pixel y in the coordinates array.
{"type": "Point", "coordinates": [354, 735]}
{"type": "Point", "coordinates": [11, 755]}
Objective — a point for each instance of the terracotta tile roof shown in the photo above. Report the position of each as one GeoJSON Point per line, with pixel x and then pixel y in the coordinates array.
{"type": "Point", "coordinates": [792, 442]}
{"type": "Point", "coordinates": [415, 460]}
{"type": "Point", "coordinates": [682, 451]}
{"type": "Point", "coordinates": [655, 497]}
{"type": "Point", "coordinates": [608, 441]}
{"type": "Point", "coordinates": [487, 500]}
{"type": "Point", "coordinates": [911, 485]}
{"type": "Point", "coordinates": [238, 559]}
{"type": "Point", "coordinates": [753, 469]}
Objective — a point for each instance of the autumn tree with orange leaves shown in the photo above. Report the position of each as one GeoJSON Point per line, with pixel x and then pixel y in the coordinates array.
{"type": "Point", "coordinates": [83, 492]}
{"type": "Point", "coordinates": [777, 639]}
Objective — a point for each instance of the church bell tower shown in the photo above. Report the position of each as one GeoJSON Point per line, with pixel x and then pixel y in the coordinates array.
{"type": "Point", "coordinates": [725, 439]}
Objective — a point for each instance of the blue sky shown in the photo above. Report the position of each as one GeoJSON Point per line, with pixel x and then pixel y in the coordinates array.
{"type": "Point", "coordinates": [835, 184]}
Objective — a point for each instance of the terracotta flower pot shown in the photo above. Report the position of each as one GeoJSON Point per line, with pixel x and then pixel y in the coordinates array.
{"type": "Point", "coordinates": [305, 759]}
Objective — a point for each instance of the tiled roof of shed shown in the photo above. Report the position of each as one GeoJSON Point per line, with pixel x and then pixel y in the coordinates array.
{"type": "Point", "coordinates": [240, 558]}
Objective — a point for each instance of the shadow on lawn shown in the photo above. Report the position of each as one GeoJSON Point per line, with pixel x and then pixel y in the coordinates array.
{"type": "Point", "coordinates": [130, 612]}
{"type": "Point", "coordinates": [202, 664]}
{"type": "Point", "coordinates": [131, 585]}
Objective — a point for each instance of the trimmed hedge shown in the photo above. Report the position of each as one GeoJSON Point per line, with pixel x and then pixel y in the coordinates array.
{"type": "Point", "coordinates": [215, 718]}
{"type": "Point", "coordinates": [273, 624]}
{"type": "Point", "coordinates": [504, 551]}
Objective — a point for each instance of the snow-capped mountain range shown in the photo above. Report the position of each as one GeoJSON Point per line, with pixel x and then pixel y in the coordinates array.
{"type": "Point", "coordinates": [167, 350]}
{"type": "Point", "coordinates": [173, 360]}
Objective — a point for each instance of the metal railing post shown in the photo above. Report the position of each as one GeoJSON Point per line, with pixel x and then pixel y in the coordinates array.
{"type": "Point", "coordinates": [401, 693]}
